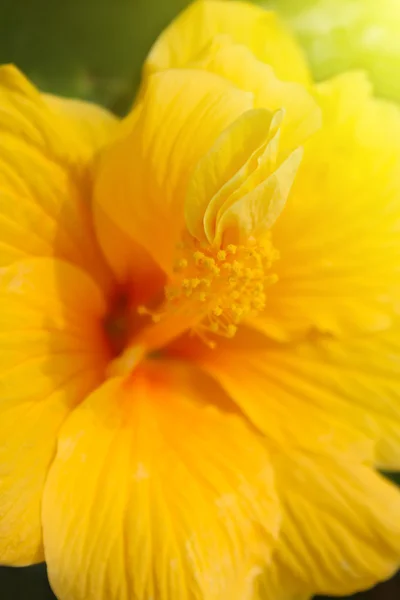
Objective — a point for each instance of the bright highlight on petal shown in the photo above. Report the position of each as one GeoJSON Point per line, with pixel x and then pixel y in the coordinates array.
{"type": "Point", "coordinates": [238, 64]}
{"type": "Point", "coordinates": [245, 23]}
{"type": "Point", "coordinates": [340, 254]}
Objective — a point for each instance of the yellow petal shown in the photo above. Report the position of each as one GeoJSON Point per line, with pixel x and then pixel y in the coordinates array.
{"type": "Point", "coordinates": [143, 177]}
{"type": "Point", "coordinates": [337, 384]}
{"type": "Point", "coordinates": [144, 500]}
{"type": "Point", "coordinates": [338, 236]}
{"type": "Point", "coordinates": [92, 125]}
{"type": "Point", "coordinates": [238, 64]}
{"type": "Point", "coordinates": [245, 23]}
{"type": "Point", "coordinates": [259, 375]}
{"type": "Point", "coordinates": [354, 380]}
{"type": "Point", "coordinates": [51, 355]}
{"type": "Point", "coordinates": [277, 583]}
{"type": "Point", "coordinates": [340, 531]}
{"type": "Point", "coordinates": [318, 404]}
{"type": "Point", "coordinates": [45, 189]}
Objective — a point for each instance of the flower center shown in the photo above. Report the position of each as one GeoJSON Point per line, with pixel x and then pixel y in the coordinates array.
{"type": "Point", "coordinates": [214, 289]}
{"type": "Point", "coordinates": [210, 292]}
{"type": "Point", "coordinates": [117, 323]}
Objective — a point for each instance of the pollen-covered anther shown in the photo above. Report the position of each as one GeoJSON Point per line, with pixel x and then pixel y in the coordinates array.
{"type": "Point", "coordinates": [219, 286]}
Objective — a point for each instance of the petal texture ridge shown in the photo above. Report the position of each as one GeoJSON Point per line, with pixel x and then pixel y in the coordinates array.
{"type": "Point", "coordinates": [328, 411]}
{"type": "Point", "coordinates": [142, 177]}
{"type": "Point", "coordinates": [45, 175]}
{"type": "Point", "coordinates": [176, 517]}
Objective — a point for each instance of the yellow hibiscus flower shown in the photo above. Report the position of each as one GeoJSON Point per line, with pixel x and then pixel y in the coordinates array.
{"type": "Point", "coordinates": [199, 323]}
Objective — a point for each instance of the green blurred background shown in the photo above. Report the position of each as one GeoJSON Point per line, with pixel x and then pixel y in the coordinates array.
{"type": "Point", "coordinates": [94, 49]}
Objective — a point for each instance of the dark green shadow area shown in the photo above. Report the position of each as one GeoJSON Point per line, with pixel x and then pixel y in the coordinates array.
{"type": "Point", "coordinates": [31, 583]}
{"type": "Point", "coordinates": [389, 590]}
{"type": "Point", "coordinates": [92, 49]}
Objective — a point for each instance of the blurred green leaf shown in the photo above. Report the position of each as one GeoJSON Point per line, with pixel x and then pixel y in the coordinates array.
{"type": "Point", "coordinates": [92, 49]}
{"type": "Point", "coordinates": [394, 477]}
{"type": "Point", "coordinates": [29, 583]}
